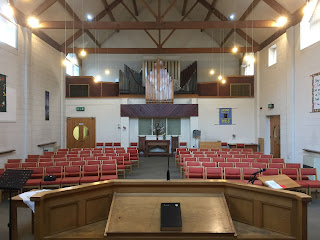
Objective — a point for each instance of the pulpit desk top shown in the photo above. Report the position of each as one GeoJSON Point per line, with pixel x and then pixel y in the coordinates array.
{"type": "Point", "coordinates": [163, 144]}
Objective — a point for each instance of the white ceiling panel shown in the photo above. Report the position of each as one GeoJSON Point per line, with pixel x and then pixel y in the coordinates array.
{"type": "Point", "coordinates": [27, 6]}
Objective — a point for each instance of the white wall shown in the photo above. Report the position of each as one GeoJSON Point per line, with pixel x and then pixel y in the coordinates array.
{"type": "Point", "coordinates": [288, 85]}
{"type": "Point", "coordinates": [32, 69]}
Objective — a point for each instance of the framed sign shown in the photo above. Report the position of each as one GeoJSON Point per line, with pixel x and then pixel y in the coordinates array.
{"type": "Point", "coordinates": [3, 93]}
{"type": "Point", "coordinates": [225, 116]}
{"type": "Point", "coordinates": [46, 106]}
{"type": "Point", "coordinates": [316, 92]}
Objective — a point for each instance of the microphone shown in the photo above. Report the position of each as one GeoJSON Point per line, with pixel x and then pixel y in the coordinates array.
{"type": "Point", "coordinates": [262, 170]}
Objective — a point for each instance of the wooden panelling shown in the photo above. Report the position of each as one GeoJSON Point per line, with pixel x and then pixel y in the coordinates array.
{"type": "Point", "coordinates": [208, 89]}
{"type": "Point", "coordinates": [97, 208]}
{"type": "Point", "coordinates": [210, 144]}
{"type": "Point", "coordinates": [276, 218]}
{"type": "Point", "coordinates": [102, 89]}
{"type": "Point", "coordinates": [63, 217]}
{"type": "Point", "coordinates": [241, 209]}
{"type": "Point", "coordinates": [159, 110]}
{"type": "Point", "coordinates": [224, 89]}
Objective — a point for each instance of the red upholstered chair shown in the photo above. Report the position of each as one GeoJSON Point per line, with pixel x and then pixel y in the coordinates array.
{"type": "Point", "coordinates": [253, 155]}
{"type": "Point", "coordinates": [88, 158]}
{"type": "Point", "coordinates": [72, 155]}
{"type": "Point", "coordinates": [14, 160]}
{"type": "Point", "coordinates": [262, 160]}
{"type": "Point", "coordinates": [184, 161]}
{"type": "Point", "coordinates": [84, 155]}
{"type": "Point", "coordinates": [94, 162]}
{"type": "Point", "coordinates": [127, 162]}
{"type": "Point", "coordinates": [215, 149]}
{"type": "Point", "coordinates": [312, 183]}
{"type": "Point", "coordinates": [266, 156]}
{"type": "Point", "coordinates": [59, 156]}
{"type": "Point", "coordinates": [249, 160]}
{"type": "Point", "coordinates": [134, 156]}
{"type": "Point", "coordinates": [109, 151]}
{"type": "Point", "coordinates": [270, 171]}
{"type": "Point", "coordinates": [208, 164]}
{"type": "Point", "coordinates": [225, 155]}
{"type": "Point", "coordinates": [290, 172]}
{"type": "Point", "coordinates": [224, 144]}
{"type": "Point", "coordinates": [72, 175]}
{"type": "Point", "coordinates": [96, 151]}
{"type": "Point", "coordinates": [193, 150]}
{"type": "Point", "coordinates": [116, 144]}
{"type": "Point", "coordinates": [54, 171]}
{"type": "Point", "coordinates": [46, 156]}
{"type": "Point", "coordinates": [239, 155]}
{"type": "Point", "coordinates": [225, 150]}
{"type": "Point", "coordinates": [110, 154]}
{"type": "Point", "coordinates": [198, 152]}
{"type": "Point", "coordinates": [35, 180]}
{"type": "Point", "coordinates": [63, 150]}
{"type": "Point", "coordinates": [109, 172]}
{"type": "Point", "coordinates": [104, 158]}
{"type": "Point", "coordinates": [48, 153]}
{"type": "Point", "coordinates": [62, 159]}
{"type": "Point", "coordinates": [292, 165]}
{"type": "Point", "coordinates": [108, 145]}
{"type": "Point", "coordinates": [199, 155]}
{"type": "Point", "coordinates": [75, 159]}
{"type": "Point", "coordinates": [90, 174]}
{"type": "Point", "coordinates": [233, 160]}
{"type": "Point", "coordinates": [204, 149]}
{"type": "Point", "coordinates": [29, 164]}
{"type": "Point", "coordinates": [276, 165]}
{"type": "Point", "coordinates": [132, 148]}
{"type": "Point", "coordinates": [120, 150]}
{"type": "Point", "coordinates": [120, 165]}
{"type": "Point", "coordinates": [277, 160]}
{"type": "Point", "coordinates": [96, 155]}
{"type": "Point", "coordinates": [45, 160]}
{"type": "Point", "coordinates": [99, 145]}
{"type": "Point", "coordinates": [62, 164]}
{"type": "Point", "coordinates": [182, 144]}
{"type": "Point", "coordinates": [217, 159]}
{"type": "Point", "coordinates": [133, 144]}
{"type": "Point", "coordinates": [12, 165]}
{"type": "Point", "coordinates": [212, 155]}
{"type": "Point", "coordinates": [240, 145]}
{"type": "Point", "coordinates": [181, 156]}
{"type": "Point", "coordinates": [78, 163]}
{"type": "Point", "coordinates": [259, 165]}
{"type": "Point", "coordinates": [247, 150]}
{"type": "Point", "coordinates": [195, 172]}
{"type": "Point", "coordinates": [204, 159]}
{"type": "Point", "coordinates": [111, 161]}
{"type": "Point", "coordinates": [225, 165]}
{"type": "Point", "coordinates": [232, 174]}
{"type": "Point", "coordinates": [74, 152]}
{"type": "Point", "coordinates": [1, 171]}
{"type": "Point", "coordinates": [31, 160]}
{"type": "Point", "coordinates": [247, 174]}
{"type": "Point", "coordinates": [213, 173]}
{"type": "Point", "coordinates": [242, 165]}
{"type": "Point", "coordinates": [46, 164]}
{"type": "Point", "coordinates": [33, 156]}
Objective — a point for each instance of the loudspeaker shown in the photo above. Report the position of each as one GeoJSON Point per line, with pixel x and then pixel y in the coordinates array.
{"type": "Point", "coordinates": [196, 133]}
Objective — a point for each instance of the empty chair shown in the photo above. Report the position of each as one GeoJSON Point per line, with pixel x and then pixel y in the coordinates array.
{"type": "Point", "coordinates": [110, 161]}
{"type": "Point", "coordinates": [72, 155]}
{"type": "Point", "coordinates": [225, 150]}
{"type": "Point", "coordinates": [214, 149]}
{"type": "Point", "coordinates": [276, 165]}
{"type": "Point", "coordinates": [233, 160]}
{"type": "Point", "coordinates": [262, 160]}
{"type": "Point", "coordinates": [99, 145]}
{"type": "Point", "coordinates": [226, 155]}
{"type": "Point", "coordinates": [193, 149]}
{"type": "Point", "coordinates": [104, 158]}
{"type": "Point", "coordinates": [211, 155]}
{"type": "Point", "coordinates": [198, 152]}
{"type": "Point", "coordinates": [225, 165]}
{"type": "Point", "coordinates": [88, 158]}
{"type": "Point", "coordinates": [63, 159]}
{"type": "Point", "coordinates": [242, 165]}
{"type": "Point", "coordinates": [239, 155]}
{"type": "Point", "coordinates": [29, 164]}
{"type": "Point", "coordinates": [217, 159]}
{"type": "Point", "coordinates": [31, 160]}
{"type": "Point", "coordinates": [247, 174]}
{"type": "Point", "coordinates": [270, 171]}
{"type": "Point", "coordinates": [199, 155]}
{"type": "Point", "coordinates": [266, 156]}
{"type": "Point", "coordinates": [72, 175]}
{"type": "Point", "coordinates": [36, 178]}
{"type": "Point", "coordinates": [120, 150]}
{"type": "Point", "coordinates": [96, 151]}
{"type": "Point", "coordinates": [14, 160]}
{"type": "Point", "coordinates": [110, 154]}
{"type": "Point", "coordinates": [290, 172]}
{"type": "Point", "coordinates": [204, 159]}
{"type": "Point", "coordinates": [59, 156]}
{"type": "Point", "coordinates": [98, 155]}
{"type": "Point", "coordinates": [312, 183]}
{"type": "Point", "coordinates": [204, 149]}
{"type": "Point", "coordinates": [253, 155]}
{"type": "Point", "coordinates": [116, 144]}
{"type": "Point", "coordinates": [133, 144]}
{"type": "Point", "coordinates": [195, 172]}
{"type": "Point", "coordinates": [213, 173]}
{"type": "Point", "coordinates": [47, 156]}
{"type": "Point", "coordinates": [120, 165]}
{"type": "Point", "coordinates": [45, 160]}
{"type": "Point", "coordinates": [109, 172]}
{"type": "Point", "coordinates": [208, 164]}
{"type": "Point", "coordinates": [277, 160]}
{"type": "Point", "coordinates": [132, 148]}
{"type": "Point", "coordinates": [90, 174]}
{"type": "Point", "coordinates": [85, 155]}
{"type": "Point", "coordinates": [12, 165]}
{"type": "Point", "coordinates": [134, 156]}
{"type": "Point", "coordinates": [54, 171]}
{"type": "Point", "coordinates": [62, 164]}
{"type": "Point", "coordinates": [249, 160]}
{"type": "Point", "coordinates": [182, 144]}
{"type": "Point", "coordinates": [78, 163]}
{"type": "Point", "coordinates": [190, 164]}
{"type": "Point", "coordinates": [224, 144]}
{"type": "Point", "coordinates": [109, 150]}
{"type": "Point", "coordinates": [33, 156]}
{"type": "Point", "coordinates": [292, 165]}
{"type": "Point", "coordinates": [46, 164]}
{"type": "Point", "coordinates": [93, 162]}
{"type": "Point", "coordinates": [127, 162]}
{"type": "Point", "coordinates": [240, 145]}
{"type": "Point", "coordinates": [232, 173]}
{"type": "Point", "coordinates": [75, 159]}
{"type": "Point", "coordinates": [259, 165]}
{"type": "Point", "coordinates": [108, 145]}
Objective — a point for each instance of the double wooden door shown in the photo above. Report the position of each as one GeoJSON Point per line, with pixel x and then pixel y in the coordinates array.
{"type": "Point", "coordinates": [81, 133]}
{"type": "Point", "coordinates": [275, 136]}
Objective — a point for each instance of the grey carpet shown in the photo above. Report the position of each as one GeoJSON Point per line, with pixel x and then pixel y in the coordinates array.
{"type": "Point", "coordinates": [150, 168]}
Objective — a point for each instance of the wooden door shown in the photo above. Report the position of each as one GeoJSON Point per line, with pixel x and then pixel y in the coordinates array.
{"type": "Point", "coordinates": [81, 133]}
{"type": "Point", "coordinates": [275, 136]}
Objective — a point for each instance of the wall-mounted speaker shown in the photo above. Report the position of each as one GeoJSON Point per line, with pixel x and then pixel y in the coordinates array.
{"type": "Point", "coordinates": [196, 133]}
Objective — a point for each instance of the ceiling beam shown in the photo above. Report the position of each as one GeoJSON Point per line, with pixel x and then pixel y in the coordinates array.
{"type": "Point", "coordinates": [157, 25]}
{"type": "Point", "coordinates": [278, 7]}
{"type": "Point", "coordinates": [213, 5]}
{"type": "Point", "coordinates": [43, 7]}
{"type": "Point", "coordinates": [76, 18]}
{"type": "Point", "coordinates": [243, 17]}
{"type": "Point", "coordinates": [150, 9]}
{"type": "Point", "coordinates": [106, 6]}
{"type": "Point", "coordinates": [105, 12]}
{"type": "Point", "coordinates": [224, 18]}
{"type": "Point", "coordinates": [184, 7]}
{"type": "Point", "coordinates": [157, 50]}
{"type": "Point", "coordinates": [135, 8]}
{"type": "Point", "coordinates": [294, 20]}
{"type": "Point", "coordinates": [168, 9]}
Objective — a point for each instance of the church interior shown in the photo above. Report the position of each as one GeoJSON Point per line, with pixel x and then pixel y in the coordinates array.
{"type": "Point", "coordinates": [118, 106]}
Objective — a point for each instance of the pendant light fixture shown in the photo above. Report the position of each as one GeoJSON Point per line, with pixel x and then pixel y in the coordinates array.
{"type": "Point", "coordinates": [212, 70]}
{"type": "Point", "coordinates": [83, 53]}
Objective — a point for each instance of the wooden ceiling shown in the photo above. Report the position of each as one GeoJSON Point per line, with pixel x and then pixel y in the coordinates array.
{"type": "Point", "coordinates": [64, 25]}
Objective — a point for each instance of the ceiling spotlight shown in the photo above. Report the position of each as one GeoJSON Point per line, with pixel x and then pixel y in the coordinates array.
{"type": "Point", "coordinates": [7, 10]}
{"type": "Point", "coordinates": [97, 78]}
{"type": "Point", "coordinates": [211, 72]}
{"type": "Point", "coordinates": [231, 17]}
{"type": "Point", "coordinates": [234, 49]}
{"type": "Point", "coordinates": [223, 81]}
{"type": "Point", "coordinates": [281, 22]}
{"type": "Point", "coordinates": [89, 17]}
{"type": "Point", "coordinates": [83, 53]}
{"type": "Point", "coordinates": [107, 71]}
{"type": "Point", "coordinates": [33, 22]}
{"type": "Point", "coordinates": [220, 77]}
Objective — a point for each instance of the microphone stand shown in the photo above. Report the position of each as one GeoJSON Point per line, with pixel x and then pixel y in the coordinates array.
{"type": "Point", "coordinates": [252, 178]}
{"type": "Point", "coordinates": [168, 171]}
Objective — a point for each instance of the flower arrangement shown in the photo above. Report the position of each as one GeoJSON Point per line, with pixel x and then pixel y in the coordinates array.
{"type": "Point", "coordinates": [158, 129]}
{"type": "Point", "coordinates": [164, 136]}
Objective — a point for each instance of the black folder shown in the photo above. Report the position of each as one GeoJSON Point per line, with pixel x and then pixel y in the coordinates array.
{"type": "Point", "coordinates": [171, 217]}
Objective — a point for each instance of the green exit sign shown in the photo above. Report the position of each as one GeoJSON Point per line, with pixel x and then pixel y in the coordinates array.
{"type": "Point", "coordinates": [80, 109]}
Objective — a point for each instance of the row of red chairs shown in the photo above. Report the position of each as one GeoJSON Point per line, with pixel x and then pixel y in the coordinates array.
{"type": "Point", "coordinates": [114, 144]}
{"type": "Point", "coordinates": [215, 149]}
{"type": "Point", "coordinates": [242, 175]}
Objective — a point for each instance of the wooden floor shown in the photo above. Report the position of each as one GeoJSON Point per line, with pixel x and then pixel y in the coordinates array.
{"type": "Point", "coordinates": [95, 231]}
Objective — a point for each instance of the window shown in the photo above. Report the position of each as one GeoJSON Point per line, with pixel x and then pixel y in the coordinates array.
{"type": "Point", "coordinates": [170, 126]}
{"type": "Point", "coordinates": [72, 65]}
{"type": "Point", "coordinates": [8, 26]}
{"type": "Point", "coordinates": [240, 90]}
{"type": "Point", "coordinates": [310, 24]}
{"type": "Point", "coordinates": [272, 55]}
